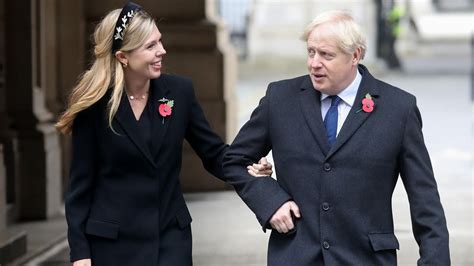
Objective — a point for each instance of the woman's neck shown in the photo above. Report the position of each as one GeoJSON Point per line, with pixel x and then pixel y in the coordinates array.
{"type": "Point", "coordinates": [135, 87]}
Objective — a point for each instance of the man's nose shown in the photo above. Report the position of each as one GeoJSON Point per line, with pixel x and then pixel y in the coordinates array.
{"type": "Point", "coordinates": [315, 61]}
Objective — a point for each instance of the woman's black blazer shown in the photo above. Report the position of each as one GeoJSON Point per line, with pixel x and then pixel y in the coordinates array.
{"type": "Point", "coordinates": [124, 191]}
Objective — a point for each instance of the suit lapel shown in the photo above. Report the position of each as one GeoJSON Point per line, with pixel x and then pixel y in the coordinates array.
{"type": "Point", "coordinates": [128, 122]}
{"type": "Point", "coordinates": [311, 107]}
{"type": "Point", "coordinates": [356, 118]}
{"type": "Point", "coordinates": [159, 124]}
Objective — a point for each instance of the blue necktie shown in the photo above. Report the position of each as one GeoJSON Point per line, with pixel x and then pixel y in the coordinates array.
{"type": "Point", "coordinates": [330, 121]}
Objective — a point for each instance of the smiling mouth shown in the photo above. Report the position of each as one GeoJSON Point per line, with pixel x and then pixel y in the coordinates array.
{"type": "Point", "coordinates": [156, 64]}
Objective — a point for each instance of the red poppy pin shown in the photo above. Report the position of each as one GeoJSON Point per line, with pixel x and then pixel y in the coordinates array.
{"type": "Point", "coordinates": [165, 108]}
{"type": "Point", "coordinates": [368, 104]}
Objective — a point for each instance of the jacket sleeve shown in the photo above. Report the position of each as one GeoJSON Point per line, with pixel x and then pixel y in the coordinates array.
{"type": "Point", "coordinates": [208, 145]}
{"type": "Point", "coordinates": [82, 173]}
{"type": "Point", "coordinates": [428, 219]}
{"type": "Point", "coordinates": [263, 195]}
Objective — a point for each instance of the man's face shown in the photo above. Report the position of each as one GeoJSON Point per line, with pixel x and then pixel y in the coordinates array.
{"type": "Point", "coordinates": [331, 69]}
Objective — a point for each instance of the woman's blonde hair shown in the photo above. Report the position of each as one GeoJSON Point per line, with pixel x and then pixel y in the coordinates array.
{"type": "Point", "coordinates": [106, 72]}
{"type": "Point", "coordinates": [340, 25]}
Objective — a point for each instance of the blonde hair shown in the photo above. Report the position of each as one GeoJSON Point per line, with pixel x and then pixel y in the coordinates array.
{"type": "Point", "coordinates": [342, 26]}
{"type": "Point", "coordinates": [106, 72]}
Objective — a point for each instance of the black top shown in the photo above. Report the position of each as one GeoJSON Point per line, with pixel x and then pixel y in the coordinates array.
{"type": "Point", "coordinates": [144, 124]}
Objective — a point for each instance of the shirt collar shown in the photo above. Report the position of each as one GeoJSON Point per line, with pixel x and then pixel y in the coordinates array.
{"type": "Point", "coordinates": [348, 95]}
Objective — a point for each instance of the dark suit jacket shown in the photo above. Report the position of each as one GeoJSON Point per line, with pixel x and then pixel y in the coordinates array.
{"type": "Point", "coordinates": [124, 203]}
{"type": "Point", "coordinates": [344, 192]}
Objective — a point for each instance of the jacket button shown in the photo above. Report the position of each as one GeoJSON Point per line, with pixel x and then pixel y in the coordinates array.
{"type": "Point", "coordinates": [326, 245]}
{"type": "Point", "coordinates": [327, 167]}
{"type": "Point", "coordinates": [326, 206]}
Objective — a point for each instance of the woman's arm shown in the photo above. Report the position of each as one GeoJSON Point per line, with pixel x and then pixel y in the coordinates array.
{"type": "Point", "coordinates": [210, 147]}
{"type": "Point", "coordinates": [206, 143]}
{"type": "Point", "coordinates": [82, 172]}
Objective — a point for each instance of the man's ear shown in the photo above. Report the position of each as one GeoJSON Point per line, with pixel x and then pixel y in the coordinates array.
{"type": "Point", "coordinates": [122, 57]}
{"type": "Point", "coordinates": [356, 56]}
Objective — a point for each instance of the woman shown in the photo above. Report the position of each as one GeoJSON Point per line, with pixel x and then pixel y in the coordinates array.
{"type": "Point", "coordinates": [128, 122]}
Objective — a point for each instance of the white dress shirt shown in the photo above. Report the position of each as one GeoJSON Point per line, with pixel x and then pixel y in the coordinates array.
{"type": "Point", "coordinates": [348, 96]}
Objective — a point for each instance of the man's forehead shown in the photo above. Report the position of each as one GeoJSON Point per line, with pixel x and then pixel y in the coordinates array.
{"type": "Point", "coordinates": [322, 40]}
{"type": "Point", "coordinates": [321, 32]}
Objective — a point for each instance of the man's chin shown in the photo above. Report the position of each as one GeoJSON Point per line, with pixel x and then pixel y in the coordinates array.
{"type": "Point", "coordinates": [319, 86]}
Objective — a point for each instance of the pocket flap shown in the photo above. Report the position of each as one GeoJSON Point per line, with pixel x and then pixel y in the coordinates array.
{"type": "Point", "coordinates": [383, 241]}
{"type": "Point", "coordinates": [102, 228]}
{"type": "Point", "coordinates": [183, 217]}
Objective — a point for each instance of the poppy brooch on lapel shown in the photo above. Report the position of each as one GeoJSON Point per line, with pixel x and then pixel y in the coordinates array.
{"type": "Point", "coordinates": [368, 104]}
{"type": "Point", "coordinates": [165, 108]}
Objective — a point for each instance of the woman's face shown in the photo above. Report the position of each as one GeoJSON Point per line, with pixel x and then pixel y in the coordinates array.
{"type": "Point", "coordinates": [145, 61]}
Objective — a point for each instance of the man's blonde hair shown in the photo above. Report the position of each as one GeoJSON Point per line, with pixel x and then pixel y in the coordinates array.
{"type": "Point", "coordinates": [342, 27]}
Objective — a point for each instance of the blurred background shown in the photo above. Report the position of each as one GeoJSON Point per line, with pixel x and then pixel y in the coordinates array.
{"type": "Point", "coordinates": [231, 49]}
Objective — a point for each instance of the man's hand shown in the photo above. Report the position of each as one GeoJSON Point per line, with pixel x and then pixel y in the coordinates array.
{"type": "Point", "coordinates": [263, 168]}
{"type": "Point", "coordinates": [84, 262]}
{"type": "Point", "coordinates": [282, 220]}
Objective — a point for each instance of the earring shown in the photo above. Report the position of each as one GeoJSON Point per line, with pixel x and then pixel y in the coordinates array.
{"type": "Point", "coordinates": [124, 65]}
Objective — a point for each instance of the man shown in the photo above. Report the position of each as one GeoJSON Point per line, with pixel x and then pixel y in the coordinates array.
{"type": "Point", "coordinates": [340, 139]}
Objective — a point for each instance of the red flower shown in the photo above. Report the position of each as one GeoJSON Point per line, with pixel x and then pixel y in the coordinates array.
{"type": "Point", "coordinates": [368, 105]}
{"type": "Point", "coordinates": [164, 110]}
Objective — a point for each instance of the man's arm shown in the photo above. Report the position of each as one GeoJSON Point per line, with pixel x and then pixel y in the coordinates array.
{"type": "Point", "coordinates": [428, 220]}
{"type": "Point", "coordinates": [263, 195]}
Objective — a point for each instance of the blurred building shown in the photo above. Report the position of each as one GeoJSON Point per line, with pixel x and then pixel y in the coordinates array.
{"type": "Point", "coordinates": [260, 28]}
{"type": "Point", "coordinates": [440, 29]}
{"type": "Point", "coordinates": [45, 45]}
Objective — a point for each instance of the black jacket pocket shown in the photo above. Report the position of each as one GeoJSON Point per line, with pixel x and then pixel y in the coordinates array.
{"type": "Point", "coordinates": [383, 241]}
{"type": "Point", "coordinates": [102, 228]}
{"type": "Point", "coordinates": [183, 217]}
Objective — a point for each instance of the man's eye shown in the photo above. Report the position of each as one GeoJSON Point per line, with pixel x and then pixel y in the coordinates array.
{"type": "Point", "coordinates": [327, 55]}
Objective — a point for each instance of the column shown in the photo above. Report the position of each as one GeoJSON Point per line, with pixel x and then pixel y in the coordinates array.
{"type": "Point", "coordinates": [12, 242]}
{"type": "Point", "coordinates": [71, 50]}
{"type": "Point", "coordinates": [38, 168]}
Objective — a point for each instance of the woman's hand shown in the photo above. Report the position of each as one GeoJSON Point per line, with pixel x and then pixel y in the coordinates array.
{"type": "Point", "coordinates": [84, 262]}
{"type": "Point", "coordinates": [263, 168]}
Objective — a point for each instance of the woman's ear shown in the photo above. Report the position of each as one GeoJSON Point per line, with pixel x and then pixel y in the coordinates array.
{"type": "Point", "coordinates": [121, 56]}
